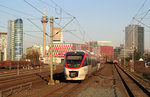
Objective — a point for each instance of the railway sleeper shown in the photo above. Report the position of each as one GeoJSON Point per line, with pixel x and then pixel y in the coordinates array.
{"type": "Point", "coordinates": [15, 89]}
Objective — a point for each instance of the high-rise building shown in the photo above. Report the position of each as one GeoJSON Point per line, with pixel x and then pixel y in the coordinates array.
{"type": "Point", "coordinates": [134, 37]}
{"type": "Point", "coordinates": [11, 33]}
{"type": "Point", "coordinates": [16, 39]}
{"type": "Point", "coordinates": [3, 46]}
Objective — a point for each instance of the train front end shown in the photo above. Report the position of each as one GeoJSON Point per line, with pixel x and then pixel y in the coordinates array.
{"type": "Point", "coordinates": [74, 68]}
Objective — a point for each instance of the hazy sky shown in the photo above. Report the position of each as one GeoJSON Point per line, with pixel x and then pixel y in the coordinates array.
{"type": "Point", "coordinates": [99, 20]}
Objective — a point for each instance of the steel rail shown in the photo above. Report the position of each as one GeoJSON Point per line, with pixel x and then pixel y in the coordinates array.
{"type": "Point", "coordinates": [138, 84]}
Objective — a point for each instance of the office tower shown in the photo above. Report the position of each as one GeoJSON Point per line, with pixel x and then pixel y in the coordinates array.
{"type": "Point", "coordinates": [18, 39]}
{"type": "Point", "coordinates": [11, 32]}
{"type": "Point", "coordinates": [134, 37]}
{"type": "Point", "coordinates": [15, 39]}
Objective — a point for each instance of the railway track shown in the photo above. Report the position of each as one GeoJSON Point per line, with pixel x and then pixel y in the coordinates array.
{"type": "Point", "coordinates": [18, 78]}
{"type": "Point", "coordinates": [68, 88]}
{"type": "Point", "coordinates": [81, 84]}
{"type": "Point", "coordinates": [9, 75]}
{"type": "Point", "coordinates": [133, 87]}
{"type": "Point", "coordinates": [14, 84]}
{"type": "Point", "coordinates": [59, 91]}
{"type": "Point", "coordinates": [17, 88]}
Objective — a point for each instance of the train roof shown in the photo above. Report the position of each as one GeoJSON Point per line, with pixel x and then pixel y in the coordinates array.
{"type": "Point", "coordinates": [80, 52]}
{"type": "Point", "coordinates": [75, 53]}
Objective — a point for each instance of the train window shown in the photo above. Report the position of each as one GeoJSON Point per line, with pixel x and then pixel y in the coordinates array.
{"type": "Point", "coordinates": [74, 57]}
{"type": "Point", "coordinates": [74, 61]}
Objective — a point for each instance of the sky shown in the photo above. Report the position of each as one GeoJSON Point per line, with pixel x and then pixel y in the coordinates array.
{"type": "Point", "coordinates": [95, 20]}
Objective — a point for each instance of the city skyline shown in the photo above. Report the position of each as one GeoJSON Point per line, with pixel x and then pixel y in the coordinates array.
{"type": "Point", "coordinates": [103, 21]}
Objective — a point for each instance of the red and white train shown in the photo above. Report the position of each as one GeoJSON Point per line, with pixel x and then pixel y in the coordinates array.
{"type": "Point", "coordinates": [79, 64]}
{"type": "Point", "coordinates": [115, 60]}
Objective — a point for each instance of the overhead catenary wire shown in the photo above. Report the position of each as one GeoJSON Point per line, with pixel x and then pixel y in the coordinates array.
{"type": "Point", "coordinates": [145, 15]}
{"type": "Point", "coordinates": [33, 36]}
{"type": "Point", "coordinates": [83, 30]}
{"type": "Point", "coordinates": [16, 11]}
{"type": "Point", "coordinates": [76, 36]}
{"type": "Point", "coordinates": [63, 27]}
{"type": "Point", "coordinates": [71, 33]}
{"type": "Point", "coordinates": [140, 21]}
{"type": "Point", "coordinates": [8, 13]}
{"type": "Point", "coordinates": [70, 15]}
{"type": "Point", "coordinates": [140, 8]}
{"type": "Point", "coordinates": [62, 10]}
{"type": "Point", "coordinates": [27, 14]}
{"type": "Point", "coordinates": [34, 7]}
{"type": "Point", "coordinates": [139, 11]}
{"type": "Point", "coordinates": [134, 18]}
{"type": "Point", "coordinates": [14, 15]}
{"type": "Point", "coordinates": [47, 3]}
{"type": "Point", "coordinates": [34, 24]}
{"type": "Point", "coordinates": [56, 7]}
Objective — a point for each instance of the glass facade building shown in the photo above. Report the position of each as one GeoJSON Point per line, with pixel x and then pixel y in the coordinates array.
{"type": "Point", "coordinates": [15, 39]}
{"type": "Point", "coordinates": [18, 39]}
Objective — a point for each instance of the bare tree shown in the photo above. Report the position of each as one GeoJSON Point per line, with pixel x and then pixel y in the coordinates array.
{"type": "Point", "coordinates": [34, 57]}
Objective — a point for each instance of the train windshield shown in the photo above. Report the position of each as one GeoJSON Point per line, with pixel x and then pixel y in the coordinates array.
{"type": "Point", "coordinates": [74, 61]}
